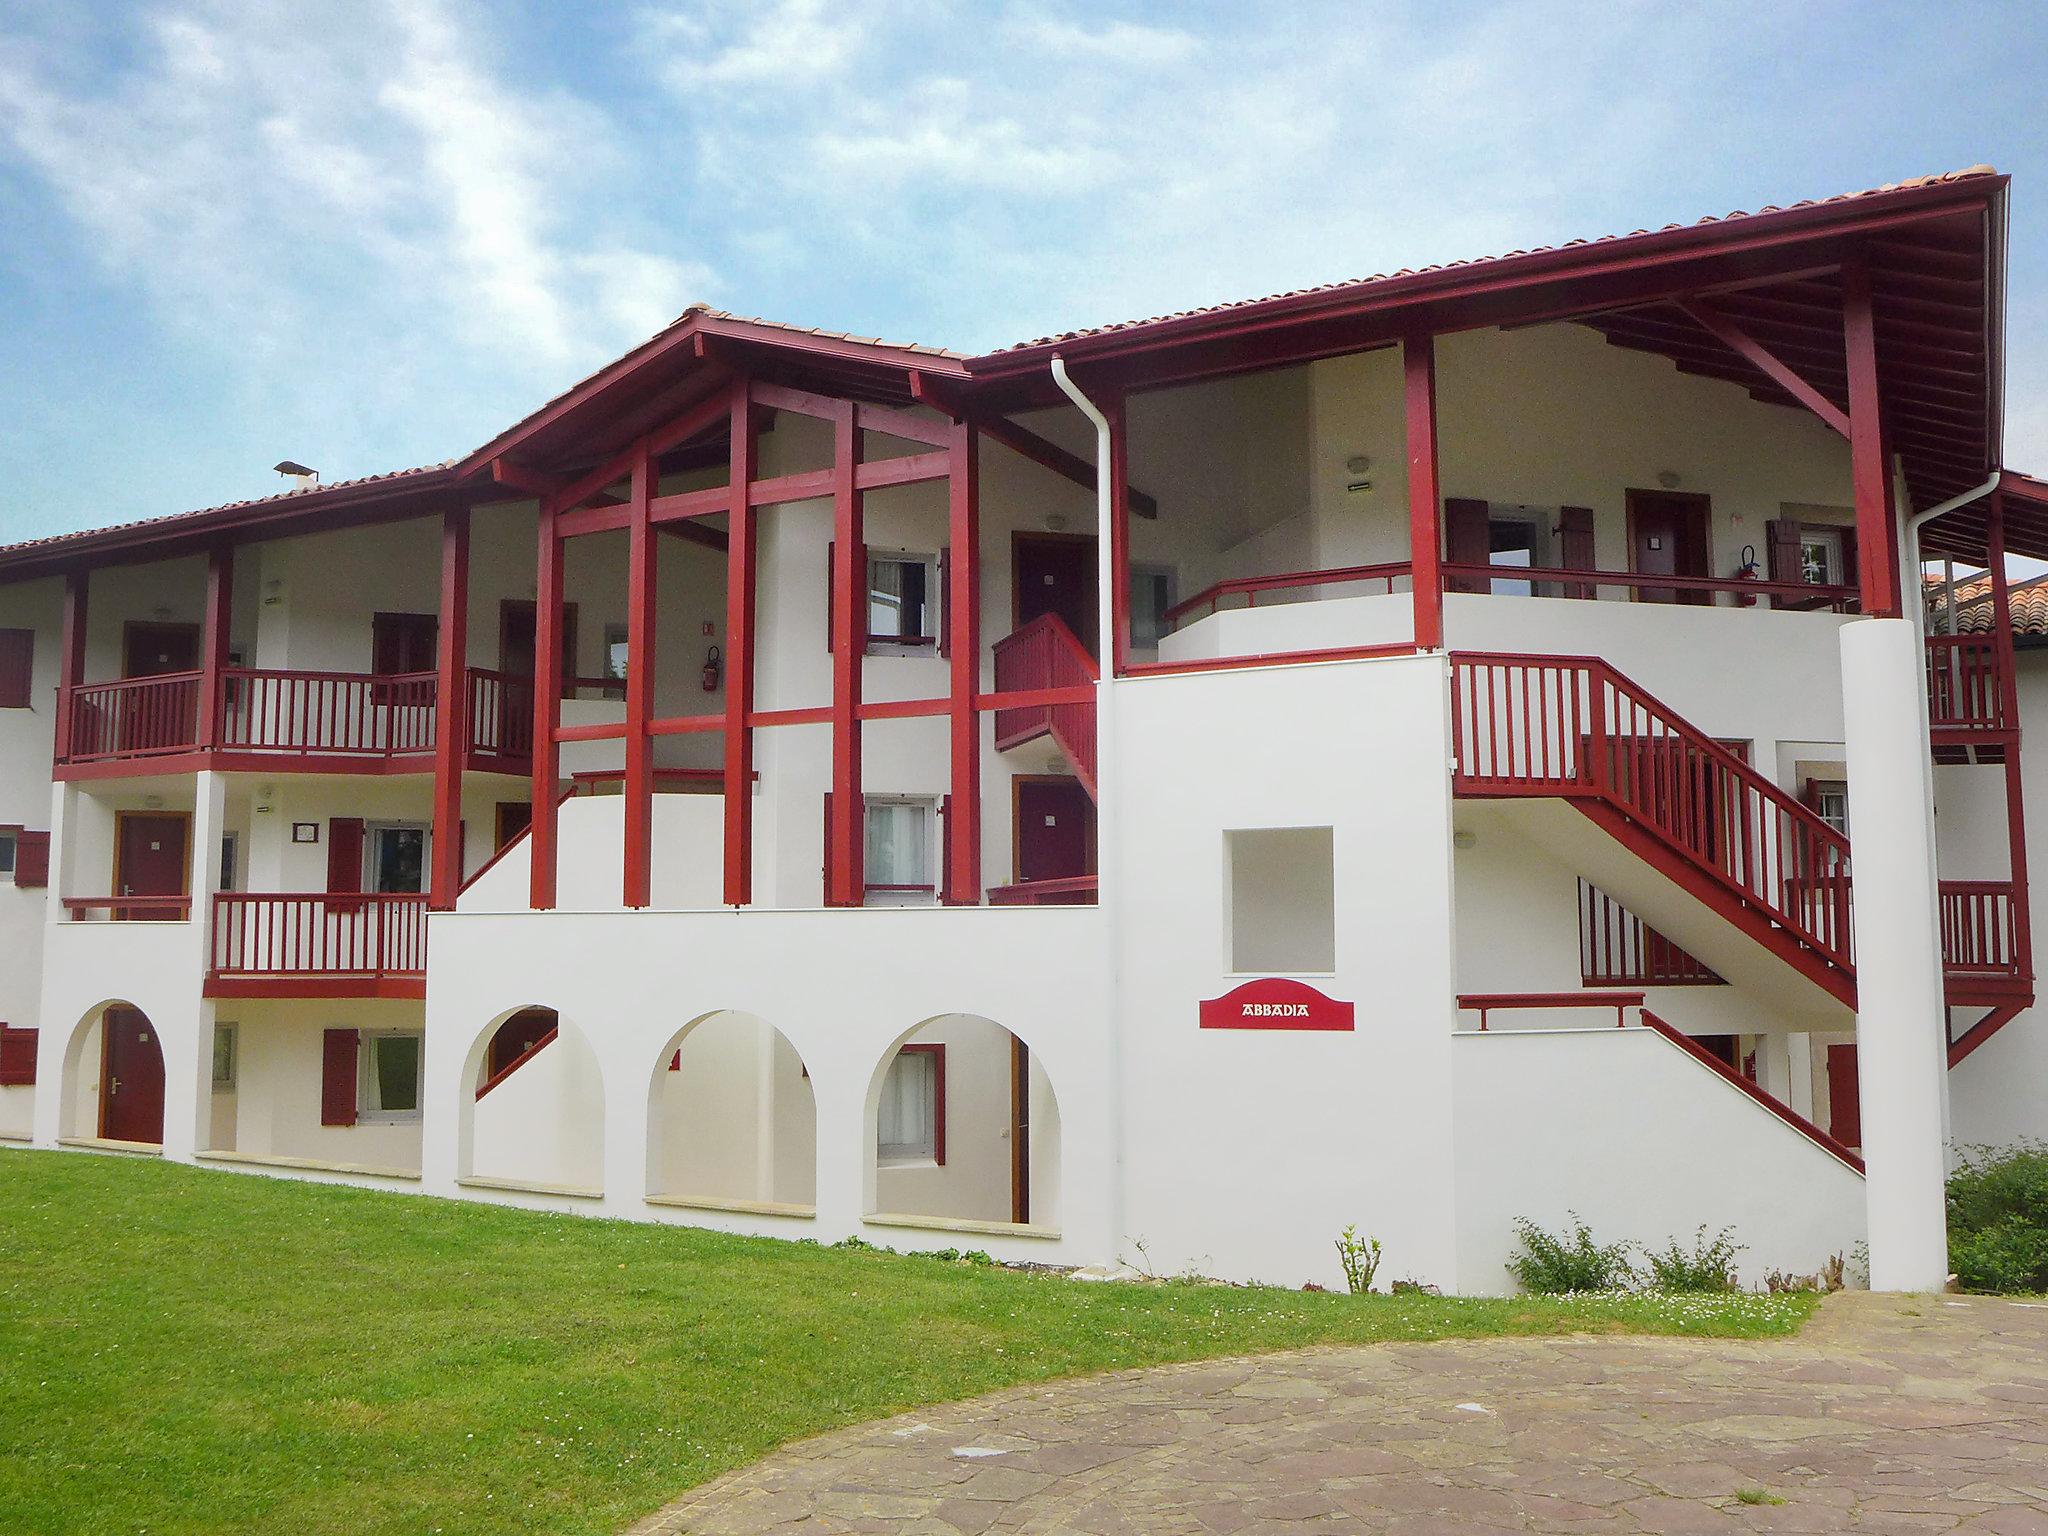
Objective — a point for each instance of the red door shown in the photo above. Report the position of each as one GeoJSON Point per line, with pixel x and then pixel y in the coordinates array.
{"type": "Point", "coordinates": [1055, 573]}
{"type": "Point", "coordinates": [1055, 829]}
{"type": "Point", "coordinates": [166, 716]}
{"type": "Point", "coordinates": [1845, 1105]}
{"type": "Point", "coordinates": [402, 645]}
{"type": "Point", "coordinates": [131, 1078]}
{"type": "Point", "coordinates": [150, 859]}
{"type": "Point", "coordinates": [1668, 537]}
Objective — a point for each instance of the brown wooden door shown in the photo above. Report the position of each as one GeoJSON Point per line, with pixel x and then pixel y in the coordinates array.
{"type": "Point", "coordinates": [168, 715]}
{"type": "Point", "coordinates": [131, 1078]}
{"type": "Point", "coordinates": [1845, 1104]}
{"type": "Point", "coordinates": [1055, 829]}
{"type": "Point", "coordinates": [1667, 533]}
{"type": "Point", "coordinates": [1055, 573]}
{"type": "Point", "coordinates": [151, 858]}
{"type": "Point", "coordinates": [151, 650]}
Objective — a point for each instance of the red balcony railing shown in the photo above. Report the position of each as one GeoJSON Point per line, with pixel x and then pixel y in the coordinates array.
{"type": "Point", "coordinates": [1044, 655]}
{"type": "Point", "coordinates": [1980, 928]}
{"type": "Point", "coordinates": [1067, 891]}
{"type": "Point", "coordinates": [1964, 689]}
{"type": "Point", "coordinates": [134, 717]}
{"type": "Point", "coordinates": [371, 936]}
{"type": "Point", "coordinates": [1369, 577]}
{"type": "Point", "coordinates": [500, 711]}
{"type": "Point", "coordinates": [1618, 949]}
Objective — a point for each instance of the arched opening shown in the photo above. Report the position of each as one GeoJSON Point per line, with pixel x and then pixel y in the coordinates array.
{"type": "Point", "coordinates": [963, 1126]}
{"type": "Point", "coordinates": [114, 1078]}
{"type": "Point", "coordinates": [533, 1107]}
{"type": "Point", "coordinates": [731, 1119]}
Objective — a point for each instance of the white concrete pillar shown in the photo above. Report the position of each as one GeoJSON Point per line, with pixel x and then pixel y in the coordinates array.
{"type": "Point", "coordinates": [628, 1069]}
{"type": "Point", "coordinates": [1901, 1054]}
{"type": "Point", "coordinates": [1799, 1048]}
{"type": "Point", "coordinates": [187, 1039]}
{"type": "Point", "coordinates": [1774, 1066]}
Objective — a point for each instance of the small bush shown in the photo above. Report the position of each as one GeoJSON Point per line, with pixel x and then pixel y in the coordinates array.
{"type": "Point", "coordinates": [1553, 1265]}
{"type": "Point", "coordinates": [1998, 1219]}
{"type": "Point", "coordinates": [1360, 1257]}
{"type": "Point", "coordinates": [1710, 1266]}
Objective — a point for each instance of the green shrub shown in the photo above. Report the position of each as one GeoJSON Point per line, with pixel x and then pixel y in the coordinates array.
{"type": "Point", "coordinates": [1360, 1257]}
{"type": "Point", "coordinates": [1998, 1218]}
{"type": "Point", "coordinates": [1710, 1266]}
{"type": "Point", "coordinates": [1553, 1265]}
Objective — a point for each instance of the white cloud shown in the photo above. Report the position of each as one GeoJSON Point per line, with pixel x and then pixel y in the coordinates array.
{"type": "Point", "coordinates": [747, 44]}
{"type": "Point", "coordinates": [1120, 42]}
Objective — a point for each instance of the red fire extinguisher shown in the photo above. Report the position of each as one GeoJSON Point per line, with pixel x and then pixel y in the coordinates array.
{"type": "Point", "coordinates": [712, 667]}
{"type": "Point", "coordinates": [1746, 572]}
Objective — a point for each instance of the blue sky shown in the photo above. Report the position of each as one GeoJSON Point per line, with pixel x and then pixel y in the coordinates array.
{"type": "Point", "coordinates": [368, 234]}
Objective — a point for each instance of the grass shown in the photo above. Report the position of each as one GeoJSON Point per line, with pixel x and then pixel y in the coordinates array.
{"type": "Point", "coordinates": [194, 1351]}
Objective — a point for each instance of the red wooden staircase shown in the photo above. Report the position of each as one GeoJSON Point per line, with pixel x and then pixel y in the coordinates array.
{"type": "Point", "coordinates": [1572, 727]}
{"type": "Point", "coordinates": [1041, 657]}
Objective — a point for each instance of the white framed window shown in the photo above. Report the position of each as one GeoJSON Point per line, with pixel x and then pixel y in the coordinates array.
{"type": "Point", "coordinates": [616, 651]}
{"type": "Point", "coordinates": [7, 852]}
{"type": "Point", "coordinates": [1153, 591]}
{"type": "Point", "coordinates": [395, 856]}
{"type": "Point", "coordinates": [902, 842]}
{"type": "Point", "coordinates": [903, 602]}
{"type": "Point", "coordinates": [230, 859]}
{"type": "Point", "coordinates": [388, 1079]}
{"type": "Point", "coordinates": [224, 1056]}
{"type": "Point", "coordinates": [1831, 803]}
{"type": "Point", "coordinates": [1514, 543]}
{"type": "Point", "coordinates": [910, 1122]}
{"type": "Point", "coordinates": [1820, 556]}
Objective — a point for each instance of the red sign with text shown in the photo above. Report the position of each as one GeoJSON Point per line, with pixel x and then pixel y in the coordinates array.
{"type": "Point", "coordinates": [1275, 1002]}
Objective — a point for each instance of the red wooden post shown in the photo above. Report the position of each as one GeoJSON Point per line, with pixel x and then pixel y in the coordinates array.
{"type": "Point", "coordinates": [1876, 538]}
{"type": "Point", "coordinates": [547, 709]}
{"type": "Point", "coordinates": [638, 788]}
{"type": "Point", "coordinates": [1425, 539]}
{"type": "Point", "coordinates": [2007, 684]}
{"type": "Point", "coordinates": [71, 664]}
{"type": "Point", "coordinates": [845, 855]}
{"type": "Point", "coordinates": [741, 540]}
{"type": "Point", "coordinates": [213, 642]}
{"type": "Point", "coordinates": [1119, 538]}
{"type": "Point", "coordinates": [962, 880]}
{"type": "Point", "coordinates": [451, 717]}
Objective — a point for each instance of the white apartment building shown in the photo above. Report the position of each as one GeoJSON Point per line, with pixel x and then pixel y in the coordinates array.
{"type": "Point", "coordinates": [1383, 754]}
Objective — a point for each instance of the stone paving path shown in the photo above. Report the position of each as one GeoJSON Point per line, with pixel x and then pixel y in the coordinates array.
{"type": "Point", "coordinates": [1887, 1414]}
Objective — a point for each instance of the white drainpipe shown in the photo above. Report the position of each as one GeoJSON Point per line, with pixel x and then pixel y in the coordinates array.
{"type": "Point", "coordinates": [1108, 852]}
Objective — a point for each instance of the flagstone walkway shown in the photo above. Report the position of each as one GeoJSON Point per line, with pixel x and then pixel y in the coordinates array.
{"type": "Point", "coordinates": [1896, 1415]}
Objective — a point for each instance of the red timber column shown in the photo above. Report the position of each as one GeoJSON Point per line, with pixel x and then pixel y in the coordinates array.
{"type": "Point", "coordinates": [2009, 705]}
{"type": "Point", "coordinates": [963, 640]}
{"type": "Point", "coordinates": [1119, 536]}
{"type": "Point", "coordinates": [213, 641]}
{"type": "Point", "coordinates": [547, 708]}
{"type": "Point", "coordinates": [1425, 537]}
{"type": "Point", "coordinates": [641, 557]}
{"type": "Point", "coordinates": [845, 855]}
{"type": "Point", "coordinates": [1877, 550]}
{"type": "Point", "coordinates": [741, 543]}
{"type": "Point", "coordinates": [71, 663]}
{"type": "Point", "coordinates": [451, 709]}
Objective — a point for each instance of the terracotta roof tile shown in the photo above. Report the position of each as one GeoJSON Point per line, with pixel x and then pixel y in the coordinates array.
{"type": "Point", "coordinates": [2029, 601]}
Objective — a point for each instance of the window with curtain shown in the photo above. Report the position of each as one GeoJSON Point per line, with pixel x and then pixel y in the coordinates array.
{"type": "Point", "coordinates": [899, 851]}
{"type": "Point", "coordinates": [907, 1120]}
{"type": "Point", "coordinates": [389, 1088]}
{"type": "Point", "coordinates": [396, 859]}
{"type": "Point", "coordinates": [902, 599]}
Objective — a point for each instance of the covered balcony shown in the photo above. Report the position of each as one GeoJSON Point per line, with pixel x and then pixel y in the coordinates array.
{"type": "Point", "coordinates": [369, 944]}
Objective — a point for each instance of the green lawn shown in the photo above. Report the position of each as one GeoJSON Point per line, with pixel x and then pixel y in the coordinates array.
{"type": "Point", "coordinates": [194, 1351]}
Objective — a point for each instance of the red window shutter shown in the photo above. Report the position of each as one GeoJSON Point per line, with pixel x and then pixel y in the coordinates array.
{"type": "Point", "coordinates": [946, 849]}
{"type": "Point", "coordinates": [944, 603]}
{"type": "Point", "coordinates": [1468, 540]}
{"type": "Point", "coordinates": [1781, 536]}
{"type": "Point", "coordinates": [1845, 1105]}
{"type": "Point", "coordinates": [17, 1057]}
{"type": "Point", "coordinates": [338, 1049]}
{"type": "Point", "coordinates": [345, 855]}
{"type": "Point", "coordinates": [17, 667]}
{"type": "Point", "coordinates": [32, 860]}
{"type": "Point", "coordinates": [1575, 547]}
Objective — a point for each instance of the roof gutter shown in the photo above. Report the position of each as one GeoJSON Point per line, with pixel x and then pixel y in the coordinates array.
{"type": "Point", "coordinates": [1108, 853]}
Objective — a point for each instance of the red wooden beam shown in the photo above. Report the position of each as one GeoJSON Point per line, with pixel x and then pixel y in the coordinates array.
{"type": "Point", "coordinates": [1119, 533]}
{"type": "Point", "coordinates": [845, 884]}
{"type": "Point", "coordinates": [451, 698]}
{"type": "Point", "coordinates": [608, 518]}
{"type": "Point", "coordinates": [741, 545]}
{"type": "Point", "coordinates": [1876, 539]}
{"type": "Point", "coordinates": [690, 533]}
{"type": "Point", "coordinates": [71, 655]}
{"type": "Point", "coordinates": [1425, 538]}
{"type": "Point", "coordinates": [961, 883]}
{"type": "Point", "coordinates": [2008, 688]}
{"type": "Point", "coordinates": [1766, 362]}
{"type": "Point", "coordinates": [214, 640]}
{"type": "Point", "coordinates": [642, 558]}
{"type": "Point", "coordinates": [531, 482]}
{"type": "Point", "coordinates": [1023, 441]}
{"type": "Point", "coordinates": [547, 709]}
